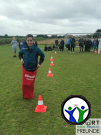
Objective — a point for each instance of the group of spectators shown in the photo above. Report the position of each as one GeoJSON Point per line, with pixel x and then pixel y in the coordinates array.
{"type": "Point", "coordinates": [55, 46]}
{"type": "Point", "coordinates": [71, 43]}
{"type": "Point", "coordinates": [89, 43]}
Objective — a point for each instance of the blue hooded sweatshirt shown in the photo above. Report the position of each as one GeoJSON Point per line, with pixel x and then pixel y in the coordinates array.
{"type": "Point", "coordinates": [68, 41]}
{"type": "Point", "coordinates": [30, 56]}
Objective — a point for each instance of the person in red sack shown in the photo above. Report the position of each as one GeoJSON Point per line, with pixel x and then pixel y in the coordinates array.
{"type": "Point", "coordinates": [29, 58]}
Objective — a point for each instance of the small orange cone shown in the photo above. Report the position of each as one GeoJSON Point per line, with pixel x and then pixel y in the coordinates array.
{"type": "Point", "coordinates": [51, 58]}
{"type": "Point", "coordinates": [49, 73]}
{"type": "Point", "coordinates": [55, 52]}
{"type": "Point", "coordinates": [51, 63]}
{"type": "Point", "coordinates": [40, 107]}
{"type": "Point", "coordinates": [95, 51]}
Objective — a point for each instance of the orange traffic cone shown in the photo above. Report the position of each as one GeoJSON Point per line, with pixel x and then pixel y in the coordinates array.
{"type": "Point", "coordinates": [51, 58]}
{"type": "Point", "coordinates": [55, 52]}
{"type": "Point", "coordinates": [40, 107]}
{"type": "Point", "coordinates": [49, 73]}
{"type": "Point", "coordinates": [95, 51]}
{"type": "Point", "coordinates": [51, 63]}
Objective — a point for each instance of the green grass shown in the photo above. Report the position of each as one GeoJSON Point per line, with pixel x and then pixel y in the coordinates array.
{"type": "Point", "coordinates": [73, 74]}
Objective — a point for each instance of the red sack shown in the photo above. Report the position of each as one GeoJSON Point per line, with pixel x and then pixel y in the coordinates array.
{"type": "Point", "coordinates": [28, 79]}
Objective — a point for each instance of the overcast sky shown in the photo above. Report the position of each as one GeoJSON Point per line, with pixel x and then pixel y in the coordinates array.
{"type": "Point", "coordinates": [22, 17]}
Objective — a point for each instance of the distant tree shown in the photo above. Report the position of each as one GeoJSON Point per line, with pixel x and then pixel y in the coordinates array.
{"type": "Point", "coordinates": [39, 35]}
{"type": "Point", "coordinates": [98, 30]}
{"type": "Point", "coordinates": [45, 36]}
{"type": "Point", "coordinates": [54, 36]}
{"type": "Point", "coordinates": [97, 33]}
{"type": "Point", "coordinates": [5, 35]}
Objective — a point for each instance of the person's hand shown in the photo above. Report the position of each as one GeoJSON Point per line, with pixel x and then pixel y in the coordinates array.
{"type": "Point", "coordinates": [22, 61]}
{"type": "Point", "coordinates": [38, 65]}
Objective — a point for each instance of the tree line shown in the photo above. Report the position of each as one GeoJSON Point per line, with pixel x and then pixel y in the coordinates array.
{"type": "Point", "coordinates": [7, 39]}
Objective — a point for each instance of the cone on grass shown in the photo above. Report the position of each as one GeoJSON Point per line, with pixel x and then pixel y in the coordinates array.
{"type": "Point", "coordinates": [95, 51]}
{"type": "Point", "coordinates": [51, 63]}
{"type": "Point", "coordinates": [55, 52]}
{"type": "Point", "coordinates": [40, 107]}
{"type": "Point", "coordinates": [49, 73]}
{"type": "Point", "coordinates": [51, 58]}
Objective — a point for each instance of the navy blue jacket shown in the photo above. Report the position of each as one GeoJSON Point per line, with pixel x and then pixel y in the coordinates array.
{"type": "Point", "coordinates": [72, 41]}
{"type": "Point", "coordinates": [95, 43]}
{"type": "Point", "coordinates": [30, 57]}
{"type": "Point", "coordinates": [62, 42]}
{"type": "Point", "coordinates": [21, 44]}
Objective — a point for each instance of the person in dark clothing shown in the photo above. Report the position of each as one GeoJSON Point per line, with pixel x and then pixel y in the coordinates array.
{"type": "Point", "coordinates": [36, 44]}
{"type": "Point", "coordinates": [53, 47]}
{"type": "Point", "coordinates": [97, 43]}
{"type": "Point", "coordinates": [59, 47]}
{"type": "Point", "coordinates": [72, 41]}
{"type": "Point", "coordinates": [45, 48]}
{"type": "Point", "coordinates": [62, 44]}
{"type": "Point", "coordinates": [86, 45]}
{"type": "Point", "coordinates": [81, 41]}
{"type": "Point", "coordinates": [49, 48]}
{"type": "Point", "coordinates": [89, 44]}
{"type": "Point", "coordinates": [56, 44]}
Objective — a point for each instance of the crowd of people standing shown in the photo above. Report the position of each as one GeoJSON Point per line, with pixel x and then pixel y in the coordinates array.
{"type": "Point", "coordinates": [89, 43]}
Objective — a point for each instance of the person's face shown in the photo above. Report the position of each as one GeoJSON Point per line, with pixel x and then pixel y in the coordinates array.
{"type": "Point", "coordinates": [13, 38]}
{"type": "Point", "coordinates": [29, 41]}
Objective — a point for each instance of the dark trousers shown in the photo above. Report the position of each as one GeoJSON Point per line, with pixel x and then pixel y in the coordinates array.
{"type": "Point", "coordinates": [68, 47]}
{"type": "Point", "coordinates": [61, 48]}
{"type": "Point", "coordinates": [86, 48]}
{"type": "Point", "coordinates": [72, 47]}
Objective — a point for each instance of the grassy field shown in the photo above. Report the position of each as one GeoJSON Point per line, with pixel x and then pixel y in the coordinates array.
{"type": "Point", "coordinates": [73, 74]}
